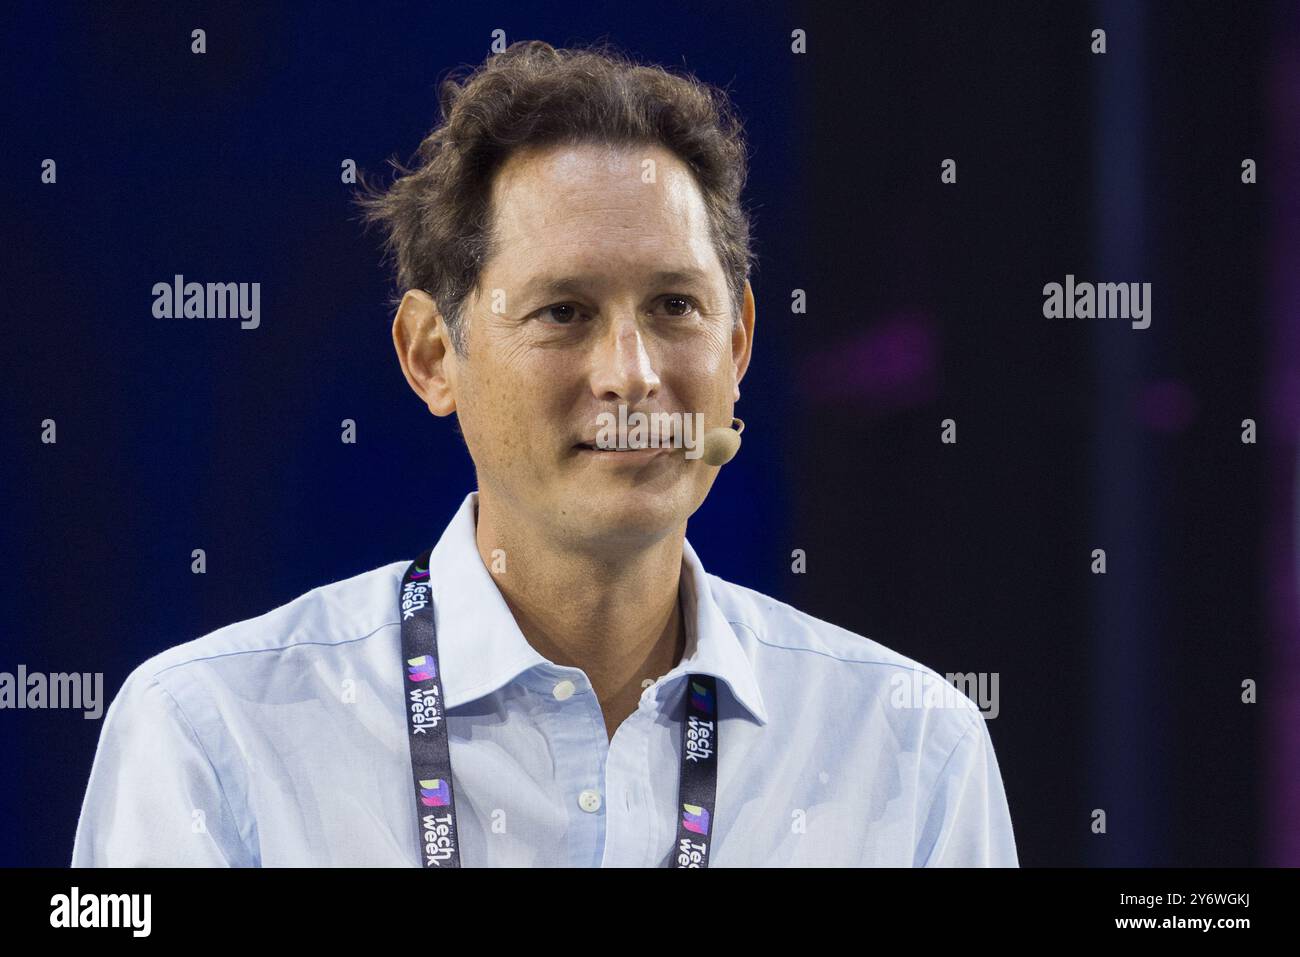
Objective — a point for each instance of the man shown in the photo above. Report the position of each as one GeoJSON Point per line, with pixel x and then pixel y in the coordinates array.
{"type": "Point", "coordinates": [559, 682]}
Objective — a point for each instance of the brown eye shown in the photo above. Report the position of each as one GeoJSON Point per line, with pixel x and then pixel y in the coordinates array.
{"type": "Point", "coordinates": [686, 304]}
{"type": "Point", "coordinates": [563, 318]}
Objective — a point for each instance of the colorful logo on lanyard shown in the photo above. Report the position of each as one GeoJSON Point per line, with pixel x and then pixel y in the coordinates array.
{"type": "Point", "coordinates": [418, 573]}
{"type": "Point", "coordinates": [695, 818]}
{"type": "Point", "coordinates": [421, 668]}
{"type": "Point", "coordinates": [435, 793]}
{"type": "Point", "coordinates": [701, 699]}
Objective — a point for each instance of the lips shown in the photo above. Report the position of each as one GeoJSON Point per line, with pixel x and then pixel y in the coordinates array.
{"type": "Point", "coordinates": [633, 457]}
{"type": "Point", "coordinates": [592, 447]}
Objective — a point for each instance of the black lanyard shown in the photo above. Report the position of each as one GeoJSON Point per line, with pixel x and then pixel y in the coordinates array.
{"type": "Point", "coordinates": [431, 762]}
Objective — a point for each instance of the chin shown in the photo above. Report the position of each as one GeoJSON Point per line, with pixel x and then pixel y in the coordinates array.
{"type": "Point", "coordinates": [634, 513]}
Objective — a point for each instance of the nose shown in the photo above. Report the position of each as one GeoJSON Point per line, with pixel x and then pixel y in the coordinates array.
{"type": "Point", "coordinates": [622, 367]}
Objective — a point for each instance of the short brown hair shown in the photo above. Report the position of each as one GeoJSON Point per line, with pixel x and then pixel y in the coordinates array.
{"type": "Point", "coordinates": [436, 217]}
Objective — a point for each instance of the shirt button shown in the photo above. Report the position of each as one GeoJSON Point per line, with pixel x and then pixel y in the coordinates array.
{"type": "Point", "coordinates": [563, 690]}
{"type": "Point", "coordinates": [589, 800]}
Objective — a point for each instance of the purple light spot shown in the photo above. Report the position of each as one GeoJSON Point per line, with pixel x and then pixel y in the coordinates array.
{"type": "Point", "coordinates": [1166, 406]}
{"type": "Point", "coordinates": [892, 365]}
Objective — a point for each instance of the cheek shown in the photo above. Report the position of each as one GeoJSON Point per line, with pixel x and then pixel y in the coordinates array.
{"type": "Point", "coordinates": [507, 412]}
{"type": "Point", "coordinates": [710, 350]}
{"type": "Point", "coordinates": [702, 372]}
{"type": "Point", "coordinates": [484, 417]}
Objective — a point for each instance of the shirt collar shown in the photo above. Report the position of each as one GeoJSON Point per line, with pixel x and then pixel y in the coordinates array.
{"type": "Point", "coordinates": [481, 649]}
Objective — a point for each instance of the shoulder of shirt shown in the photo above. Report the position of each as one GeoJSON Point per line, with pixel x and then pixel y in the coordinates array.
{"type": "Point", "coordinates": [782, 628]}
{"type": "Point", "coordinates": [339, 612]}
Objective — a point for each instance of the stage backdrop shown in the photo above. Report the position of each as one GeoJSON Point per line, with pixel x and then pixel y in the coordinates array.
{"type": "Point", "coordinates": [932, 458]}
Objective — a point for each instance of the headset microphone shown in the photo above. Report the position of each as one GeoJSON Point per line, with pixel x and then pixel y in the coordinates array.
{"type": "Point", "coordinates": [721, 445]}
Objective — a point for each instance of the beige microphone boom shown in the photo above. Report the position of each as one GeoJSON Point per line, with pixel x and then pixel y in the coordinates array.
{"type": "Point", "coordinates": [721, 445]}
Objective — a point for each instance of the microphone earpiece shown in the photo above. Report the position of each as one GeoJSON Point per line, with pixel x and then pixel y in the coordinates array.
{"type": "Point", "coordinates": [721, 445]}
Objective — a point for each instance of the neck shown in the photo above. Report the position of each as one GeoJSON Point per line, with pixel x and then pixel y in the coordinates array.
{"type": "Point", "coordinates": [612, 612]}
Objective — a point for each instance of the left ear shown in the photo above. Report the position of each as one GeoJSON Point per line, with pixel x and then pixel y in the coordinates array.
{"type": "Point", "coordinates": [742, 339]}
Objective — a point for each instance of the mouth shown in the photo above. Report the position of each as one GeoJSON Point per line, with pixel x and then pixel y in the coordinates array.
{"type": "Point", "coordinates": [620, 454]}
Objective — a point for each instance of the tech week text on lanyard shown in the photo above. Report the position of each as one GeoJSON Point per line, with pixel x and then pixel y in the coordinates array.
{"type": "Point", "coordinates": [431, 760]}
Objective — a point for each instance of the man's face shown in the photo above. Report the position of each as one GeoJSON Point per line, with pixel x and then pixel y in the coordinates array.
{"type": "Point", "coordinates": [575, 315]}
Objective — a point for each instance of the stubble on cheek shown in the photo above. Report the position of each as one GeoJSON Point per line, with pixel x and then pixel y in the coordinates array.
{"type": "Point", "coordinates": [509, 431]}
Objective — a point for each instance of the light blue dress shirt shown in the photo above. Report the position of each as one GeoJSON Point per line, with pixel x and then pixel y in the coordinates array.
{"type": "Point", "coordinates": [281, 741]}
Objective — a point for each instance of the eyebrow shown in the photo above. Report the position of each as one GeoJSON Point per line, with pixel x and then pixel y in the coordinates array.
{"type": "Point", "coordinates": [563, 285]}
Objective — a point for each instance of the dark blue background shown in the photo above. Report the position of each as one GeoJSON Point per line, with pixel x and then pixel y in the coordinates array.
{"type": "Point", "coordinates": [924, 303]}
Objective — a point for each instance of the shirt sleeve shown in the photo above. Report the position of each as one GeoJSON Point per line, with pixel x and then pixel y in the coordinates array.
{"type": "Point", "coordinates": [154, 798]}
{"type": "Point", "coordinates": [968, 823]}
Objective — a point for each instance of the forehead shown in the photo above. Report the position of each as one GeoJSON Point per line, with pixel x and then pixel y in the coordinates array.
{"type": "Point", "coordinates": [594, 206]}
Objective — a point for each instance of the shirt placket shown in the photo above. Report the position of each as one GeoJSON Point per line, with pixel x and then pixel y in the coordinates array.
{"type": "Point", "coordinates": [632, 824]}
{"type": "Point", "coordinates": [580, 752]}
